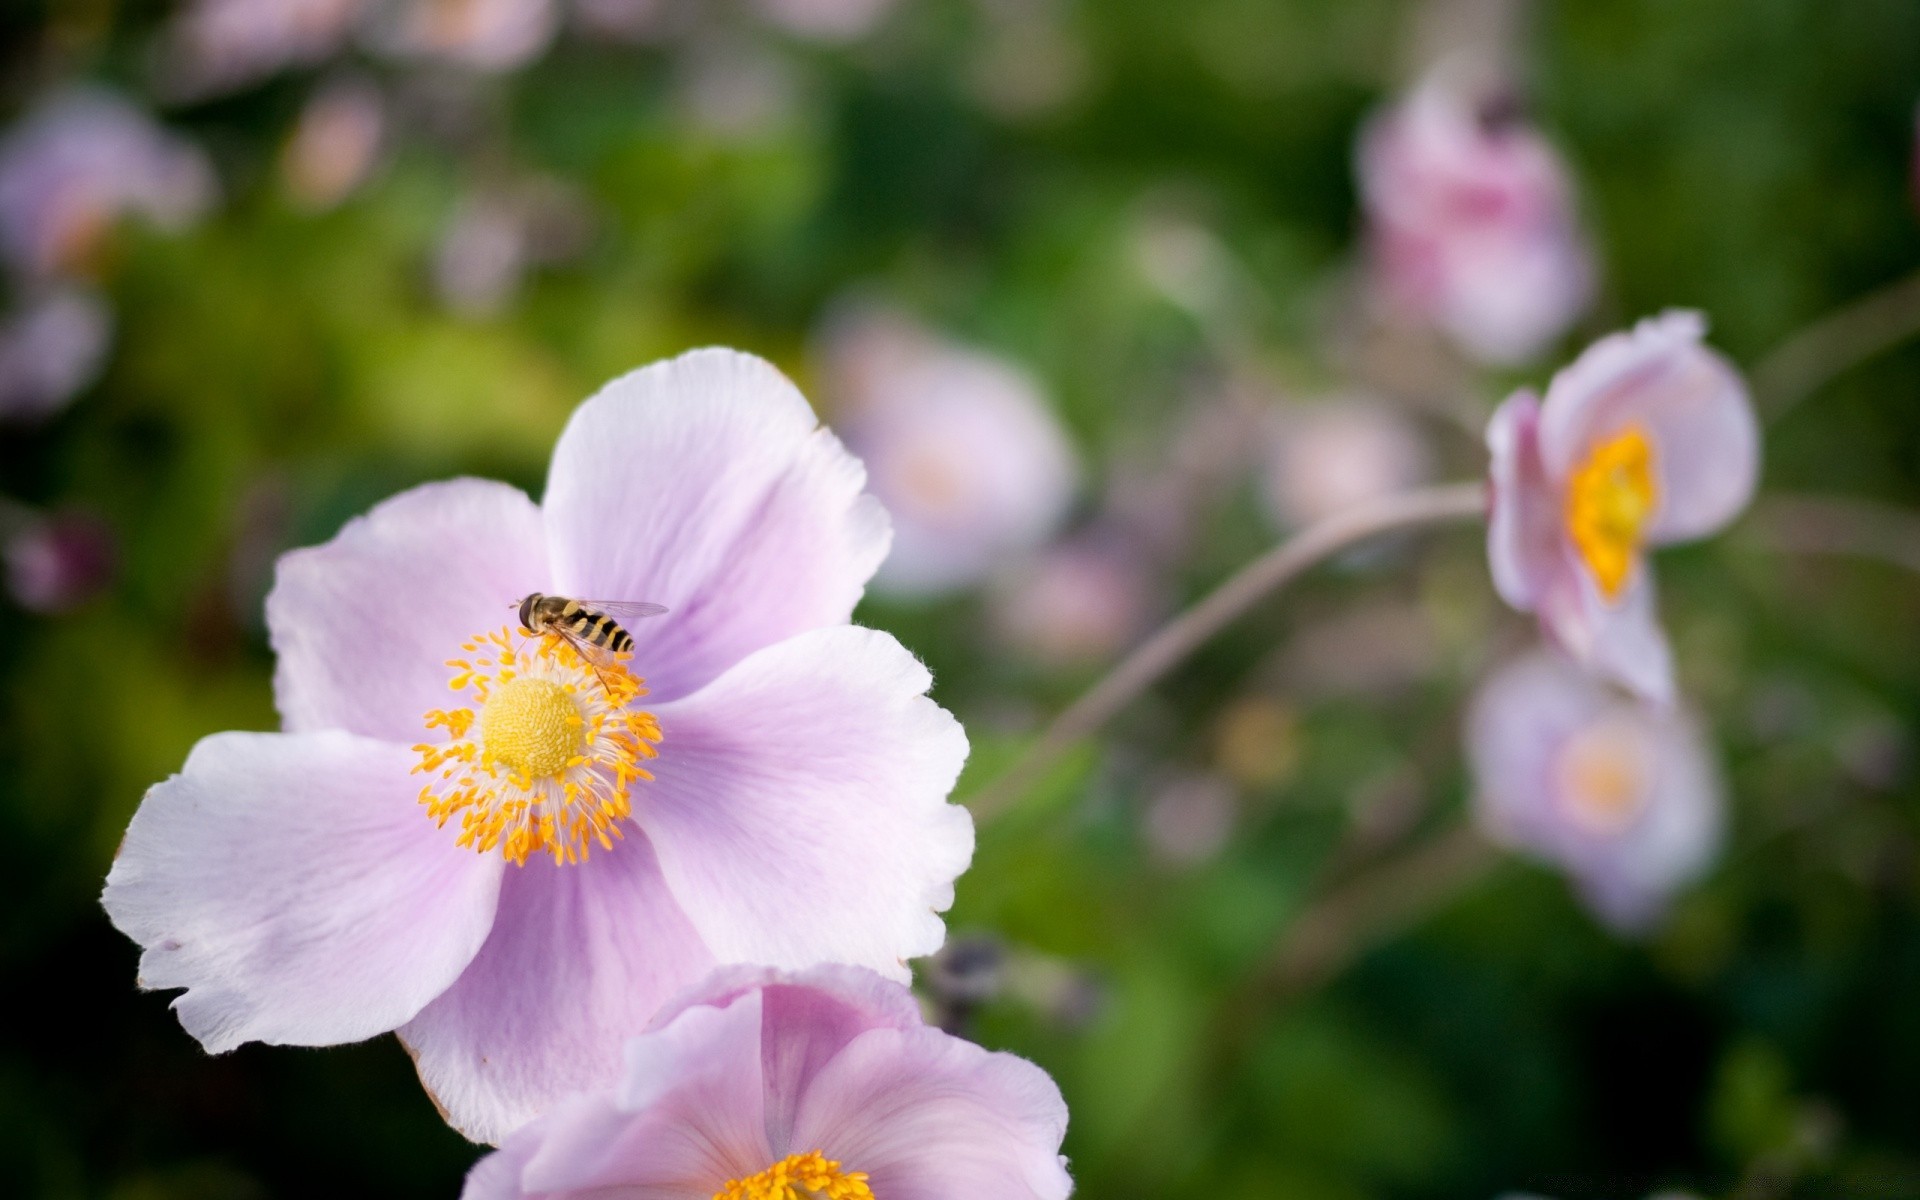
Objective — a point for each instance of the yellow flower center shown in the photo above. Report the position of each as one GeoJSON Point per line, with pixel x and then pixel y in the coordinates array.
{"type": "Point", "coordinates": [1610, 498]}
{"type": "Point", "coordinates": [544, 755]}
{"type": "Point", "coordinates": [532, 727]}
{"type": "Point", "coordinates": [799, 1177]}
{"type": "Point", "coordinates": [1604, 776]}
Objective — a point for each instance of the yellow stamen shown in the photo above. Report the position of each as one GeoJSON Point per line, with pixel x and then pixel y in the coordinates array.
{"type": "Point", "coordinates": [799, 1177]}
{"type": "Point", "coordinates": [1605, 775]}
{"type": "Point", "coordinates": [558, 747]}
{"type": "Point", "coordinates": [1610, 498]}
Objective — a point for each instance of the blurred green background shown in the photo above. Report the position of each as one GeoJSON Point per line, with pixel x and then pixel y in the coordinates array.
{"type": "Point", "coordinates": [276, 371]}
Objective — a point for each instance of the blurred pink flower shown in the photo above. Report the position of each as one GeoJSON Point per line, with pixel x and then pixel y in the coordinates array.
{"type": "Point", "coordinates": [628, 20]}
{"type": "Point", "coordinates": [1647, 438]}
{"type": "Point", "coordinates": [52, 352]}
{"type": "Point", "coordinates": [1189, 818]}
{"type": "Point", "coordinates": [826, 20]}
{"type": "Point", "coordinates": [1333, 455]}
{"type": "Point", "coordinates": [1471, 223]}
{"type": "Point", "coordinates": [484, 35]}
{"type": "Point", "coordinates": [962, 447]}
{"type": "Point", "coordinates": [78, 162]}
{"type": "Point", "coordinates": [335, 144]}
{"type": "Point", "coordinates": [771, 1086]}
{"type": "Point", "coordinates": [782, 799]}
{"type": "Point", "coordinates": [60, 562]}
{"type": "Point", "coordinates": [1621, 795]}
{"type": "Point", "coordinates": [214, 46]}
{"type": "Point", "coordinates": [495, 236]}
{"type": "Point", "coordinates": [1076, 602]}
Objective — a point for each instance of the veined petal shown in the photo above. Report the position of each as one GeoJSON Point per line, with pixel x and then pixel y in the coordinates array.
{"type": "Point", "coordinates": [811, 1016]}
{"type": "Point", "coordinates": [292, 885]}
{"type": "Point", "coordinates": [1690, 402]}
{"type": "Point", "coordinates": [686, 1119]}
{"type": "Point", "coordinates": [705, 483]}
{"type": "Point", "coordinates": [931, 1117]}
{"type": "Point", "coordinates": [365, 623]}
{"type": "Point", "coordinates": [799, 805]}
{"type": "Point", "coordinates": [581, 956]}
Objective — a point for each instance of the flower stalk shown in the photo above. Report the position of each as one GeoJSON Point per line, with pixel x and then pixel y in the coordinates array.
{"type": "Point", "coordinates": [1180, 637]}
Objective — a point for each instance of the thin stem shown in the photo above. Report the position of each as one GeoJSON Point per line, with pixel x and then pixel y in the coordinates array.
{"type": "Point", "coordinates": [1826, 525]}
{"type": "Point", "coordinates": [1822, 351]}
{"type": "Point", "coordinates": [1187, 632]}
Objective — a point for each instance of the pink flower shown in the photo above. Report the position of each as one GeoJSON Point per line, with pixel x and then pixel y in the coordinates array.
{"type": "Point", "coordinates": [764, 1086]}
{"type": "Point", "coordinates": [825, 20]}
{"type": "Point", "coordinates": [1621, 795]}
{"type": "Point", "coordinates": [80, 161]}
{"type": "Point", "coordinates": [1339, 453]}
{"type": "Point", "coordinates": [52, 352]}
{"type": "Point", "coordinates": [336, 143]}
{"type": "Point", "coordinates": [1079, 601]}
{"type": "Point", "coordinates": [572, 859]}
{"type": "Point", "coordinates": [962, 446]}
{"type": "Point", "coordinates": [60, 562]}
{"type": "Point", "coordinates": [483, 35]}
{"type": "Point", "coordinates": [1471, 223]}
{"type": "Point", "coordinates": [217, 45]}
{"type": "Point", "coordinates": [1648, 438]}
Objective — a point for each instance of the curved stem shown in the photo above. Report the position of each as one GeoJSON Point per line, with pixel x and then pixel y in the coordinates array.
{"type": "Point", "coordinates": [1808, 360]}
{"type": "Point", "coordinates": [1180, 637]}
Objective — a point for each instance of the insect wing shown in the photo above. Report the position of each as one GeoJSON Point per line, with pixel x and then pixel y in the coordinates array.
{"type": "Point", "coordinates": [596, 657]}
{"type": "Point", "coordinates": [624, 610]}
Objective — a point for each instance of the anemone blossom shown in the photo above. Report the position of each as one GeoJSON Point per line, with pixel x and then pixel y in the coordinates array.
{"type": "Point", "coordinates": [1471, 222]}
{"type": "Point", "coordinates": [770, 1086]}
{"type": "Point", "coordinates": [481, 839]}
{"type": "Point", "coordinates": [1647, 438]}
{"type": "Point", "coordinates": [1620, 794]}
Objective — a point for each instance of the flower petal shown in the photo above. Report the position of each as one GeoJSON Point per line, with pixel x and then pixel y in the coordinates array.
{"type": "Point", "coordinates": [811, 1015]}
{"type": "Point", "coordinates": [1523, 530]}
{"type": "Point", "coordinates": [580, 958]}
{"type": "Point", "coordinates": [363, 625]}
{"type": "Point", "coordinates": [705, 484]}
{"type": "Point", "coordinates": [294, 887]}
{"type": "Point", "coordinates": [930, 1117]}
{"type": "Point", "coordinates": [685, 1119]}
{"type": "Point", "coordinates": [799, 805]}
{"type": "Point", "coordinates": [1522, 723]}
{"type": "Point", "coordinates": [1676, 840]}
{"type": "Point", "coordinates": [1620, 639]}
{"type": "Point", "coordinates": [1692, 404]}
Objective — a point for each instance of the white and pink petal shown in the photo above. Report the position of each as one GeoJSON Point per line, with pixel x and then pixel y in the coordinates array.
{"type": "Point", "coordinates": [364, 624]}
{"type": "Point", "coordinates": [293, 886]}
{"type": "Point", "coordinates": [799, 805]}
{"type": "Point", "coordinates": [706, 484]}
{"type": "Point", "coordinates": [580, 958]}
{"type": "Point", "coordinates": [931, 1117]}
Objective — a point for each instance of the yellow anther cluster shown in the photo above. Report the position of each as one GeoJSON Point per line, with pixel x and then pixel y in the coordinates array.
{"type": "Point", "coordinates": [544, 757]}
{"type": "Point", "coordinates": [1610, 498]}
{"type": "Point", "coordinates": [809, 1176]}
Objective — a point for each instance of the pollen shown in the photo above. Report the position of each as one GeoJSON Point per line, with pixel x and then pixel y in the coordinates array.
{"type": "Point", "coordinates": [544, 753]}
{"type": "Point", "coordinates": [1610, 498]}
{"type": "Point", "coordinates": [809, 1176]}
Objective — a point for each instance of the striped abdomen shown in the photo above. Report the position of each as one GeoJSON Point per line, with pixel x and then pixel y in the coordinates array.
{"type": "Point", "coordinates": [571, 618]}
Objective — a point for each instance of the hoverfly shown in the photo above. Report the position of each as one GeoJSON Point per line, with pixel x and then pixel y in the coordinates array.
{"type": "Point", "coordinates": [589, 626]}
